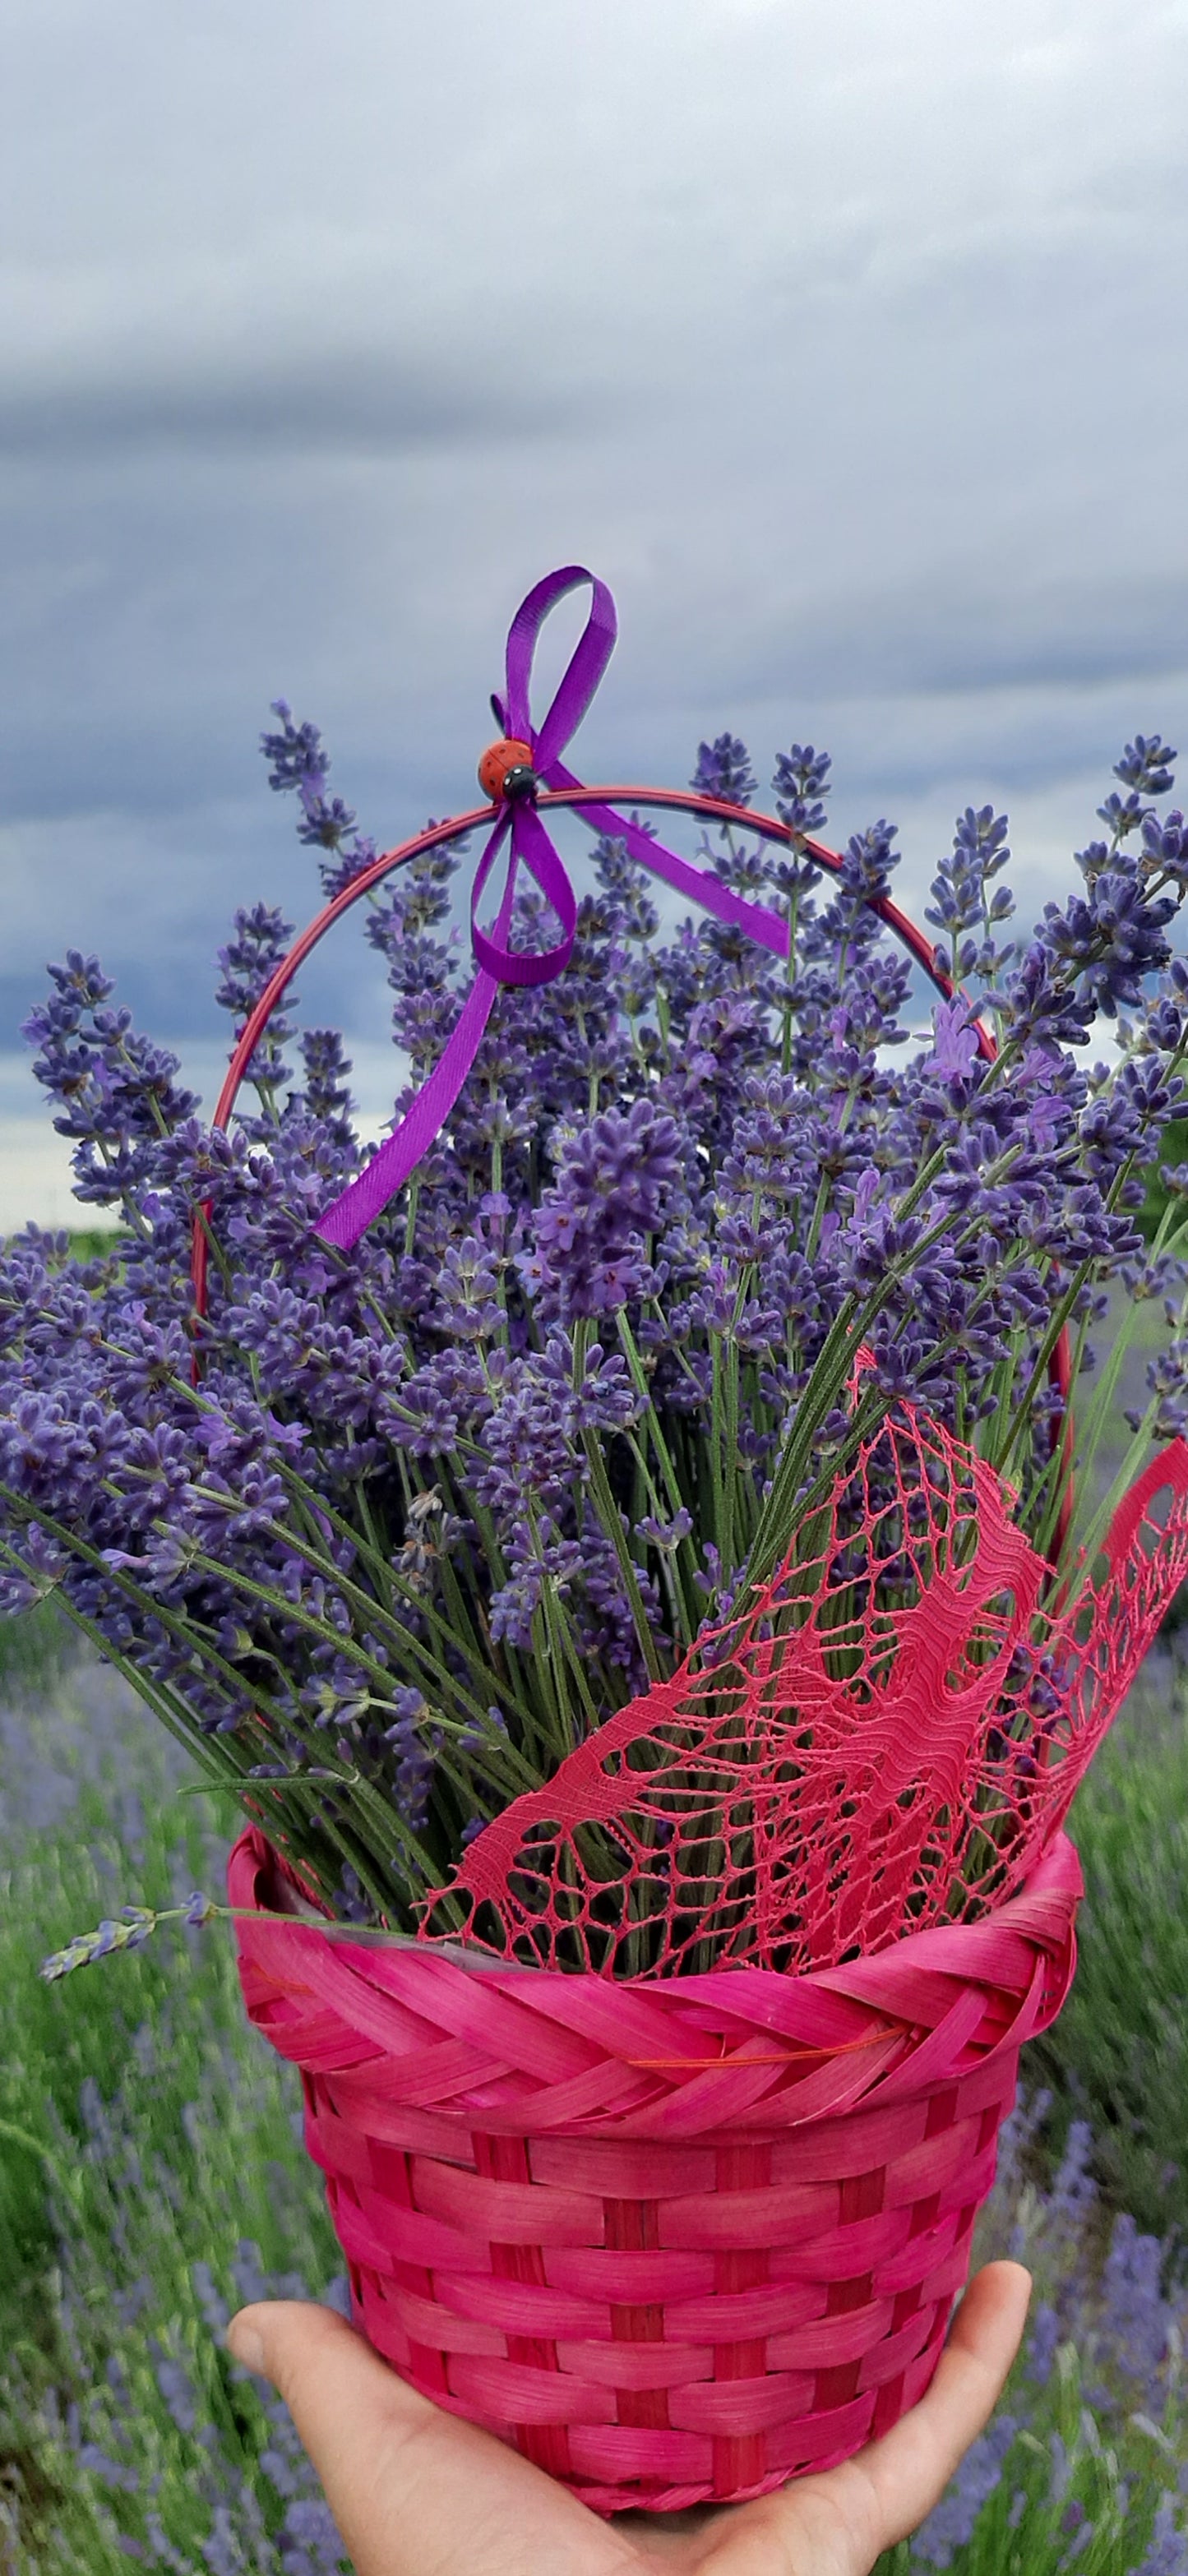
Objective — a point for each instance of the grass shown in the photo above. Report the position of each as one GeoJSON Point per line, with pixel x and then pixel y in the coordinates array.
{"type": "Point", "coordinates": [151, 2175]}
{"type": "Point", "coordinates": [144, 2132]}
{"type": "Point", "coordinates": [36, 1649]}
{"type": "Point", "coordinates": [1118, 2056]}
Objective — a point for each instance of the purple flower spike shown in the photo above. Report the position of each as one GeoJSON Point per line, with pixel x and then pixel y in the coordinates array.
{"type": "Point", "coordinates": [511, 1445]}
{"type": "Point", "coordinates": [724, 769]}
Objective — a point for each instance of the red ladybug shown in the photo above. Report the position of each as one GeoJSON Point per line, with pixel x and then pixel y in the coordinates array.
{"type": "Point", "coordinates": [498, 762]}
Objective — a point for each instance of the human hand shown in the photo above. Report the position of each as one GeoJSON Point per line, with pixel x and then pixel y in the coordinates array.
{"type": "Point", "coordinates": [416, 2492]}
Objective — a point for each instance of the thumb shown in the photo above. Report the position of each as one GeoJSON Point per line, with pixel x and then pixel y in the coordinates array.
{"type": "Point", "coordinates": [408, 2485]}
{"type": "Point", "coordinates": [354, 2416]}
{"type": "Point", "coordinates": [278, 2339]}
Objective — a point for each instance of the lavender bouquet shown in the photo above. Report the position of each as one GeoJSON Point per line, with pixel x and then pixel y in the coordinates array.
{"type": "Point", "coordinates": [392, 1529]}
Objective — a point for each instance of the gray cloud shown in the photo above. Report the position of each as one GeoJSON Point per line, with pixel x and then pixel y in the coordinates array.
{"type": "Point", "coordinates": [847, 343]}
{"type": "Point", "coordinates": [358, 406]}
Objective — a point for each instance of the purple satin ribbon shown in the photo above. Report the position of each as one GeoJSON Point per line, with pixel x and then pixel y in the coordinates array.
{"type": "Point", "coordinates": [520, 828]}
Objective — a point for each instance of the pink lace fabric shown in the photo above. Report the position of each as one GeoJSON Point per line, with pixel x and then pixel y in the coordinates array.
{"type": "Point", "coordinates": [889, 1737]}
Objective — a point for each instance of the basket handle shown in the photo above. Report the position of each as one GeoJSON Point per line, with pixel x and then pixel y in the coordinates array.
{"type": "Point", "coordinates": [515, 820]}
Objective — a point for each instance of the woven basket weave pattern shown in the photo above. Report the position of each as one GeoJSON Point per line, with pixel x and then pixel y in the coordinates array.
{"type": "Point", "coordinates": [675, 2243]}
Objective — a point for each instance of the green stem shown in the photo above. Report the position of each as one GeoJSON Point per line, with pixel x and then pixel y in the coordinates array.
{"type": "Point", "coordinates": [611, 1520]}
{"type": "Point", "coordinates": [67, 2182]}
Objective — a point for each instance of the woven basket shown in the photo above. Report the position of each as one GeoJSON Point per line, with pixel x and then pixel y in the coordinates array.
{"type": "Point", "coordinates": [677, 2241]}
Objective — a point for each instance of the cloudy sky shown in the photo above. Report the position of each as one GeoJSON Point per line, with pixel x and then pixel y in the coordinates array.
{"type": "Point", "coordinates": [847, 341]}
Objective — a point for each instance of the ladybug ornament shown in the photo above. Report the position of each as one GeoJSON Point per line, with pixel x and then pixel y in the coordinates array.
{"type": "Point", "coordinates": [506, 770]}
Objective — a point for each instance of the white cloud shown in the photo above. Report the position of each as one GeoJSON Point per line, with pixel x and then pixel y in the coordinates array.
{"type": "Point", "coordinates": [35, 1179]}
{"type": "Point", "coordinates": [35, 1174]}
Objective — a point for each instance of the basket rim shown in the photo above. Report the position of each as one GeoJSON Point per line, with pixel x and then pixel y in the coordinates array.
{"type": "Point", "coordinates": [1040, 1912]}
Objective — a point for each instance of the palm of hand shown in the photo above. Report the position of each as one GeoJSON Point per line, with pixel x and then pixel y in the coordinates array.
{"type": "Point", "coordinates": [416, 2492]}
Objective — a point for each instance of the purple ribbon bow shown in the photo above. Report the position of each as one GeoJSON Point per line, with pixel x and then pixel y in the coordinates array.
{"type": "Point", "coordinates": [519, 828]}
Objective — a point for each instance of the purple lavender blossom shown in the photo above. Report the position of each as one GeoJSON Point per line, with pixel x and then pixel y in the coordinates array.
{"type": "Point", "coordinates": [298, 760]}
{"type": "Point", "coordinates": [115, 1090]}
{"type": "Point", "coordinates": [724, 770]}
{"type": "Point", "coordinates": [295, 754]}
{"type": "Point", "coordinates": [955, 1044]}
{"type": "Point", "coordinates": [1168, 2551]}
{"type": "Point", "coordinates": [1146, 765]}
{"type": "Point", "coordinates": [262, 936]}
{"type": "Point", "coordinates": [800, 786]}
{"type": "Point", "coordinates": [963, 909]}
{"type": "Point", "coordinates": [613, 1179]}
{"type": "Point", "coordinates": [514, 1450]}
{"type": "Point", "coordinates": [951, 2523]}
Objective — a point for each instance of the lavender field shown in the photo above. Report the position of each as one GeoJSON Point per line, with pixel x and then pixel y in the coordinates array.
{"type": "Point", "coordinates": [151, 2176]}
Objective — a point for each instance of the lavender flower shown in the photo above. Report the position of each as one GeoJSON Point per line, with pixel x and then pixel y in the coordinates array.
{"type": "Point", "coordinates": [517, 1448]}
{"type": "Point", "coordinates": [800, 786]}
{"type": "Point", "coordinates": [951, 2524]}
{"type": "Point", "coordinates": [724, 769]}
{"type": "Point", "coordinates": [1168, 2551]}
{"type": "Point", "coordinates": [295, 754]}
{"type": "Point", "coordinates": [298, 760]}
{"type": "Point", "coordinates": [136, 1924]}
{"type": "Point", "coordinates": [963, 909]}
{"type": "Point", "coordinates": [1145, 765]}
{"type": "Point", "coordinates": [115, 1090]}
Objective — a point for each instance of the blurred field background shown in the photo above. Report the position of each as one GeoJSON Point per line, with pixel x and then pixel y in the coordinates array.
{"type": "Point", "coordinates": [152, 2176]}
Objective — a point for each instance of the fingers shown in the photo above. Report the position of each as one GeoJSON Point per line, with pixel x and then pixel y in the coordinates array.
{"type": "Point", "coordinates": [411, 2489]}
{"type": "Point", "coordinates": [414, 2490]}
{"type": "Point", "coordinates": [838, 2523]}
{"type": "Point", "coordinates": [909, 2469]}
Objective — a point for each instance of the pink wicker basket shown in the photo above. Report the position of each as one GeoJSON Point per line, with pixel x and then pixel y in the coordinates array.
{"type": "Point", "coordinates": [677, 2240]}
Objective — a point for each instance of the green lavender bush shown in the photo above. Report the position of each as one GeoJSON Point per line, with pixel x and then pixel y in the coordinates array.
{"type": "Point", "coordinates": [151, 2176]}
{"type": "Point", "coordinates": [1118, 2055]}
